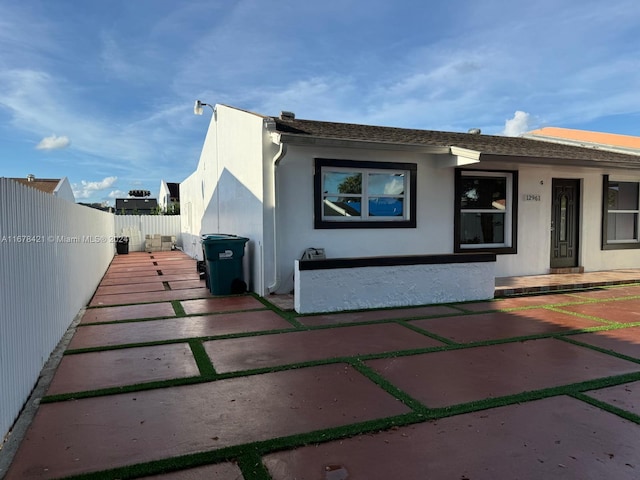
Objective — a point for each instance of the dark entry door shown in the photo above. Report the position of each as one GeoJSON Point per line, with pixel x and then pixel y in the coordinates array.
{"type": "Point", "coordinates": [565, 217]}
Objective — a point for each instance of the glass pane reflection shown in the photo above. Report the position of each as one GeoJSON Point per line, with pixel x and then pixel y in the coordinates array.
{"type": "Point", "coordinates": [481, 228]}
{"type": "Point", "coordinates": [342, 182]}
{"type": "Point", "coordinates": [385, 183]}
{"type": "Point", "coordinates": [386, 206]}
{"type": "Point", "coordinates": [483, 193]}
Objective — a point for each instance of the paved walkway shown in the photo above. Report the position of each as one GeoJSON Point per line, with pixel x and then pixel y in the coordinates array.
{"type": "Point", "coordinates": [162, 380]}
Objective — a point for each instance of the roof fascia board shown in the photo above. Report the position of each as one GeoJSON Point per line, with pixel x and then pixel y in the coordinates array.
{"type": "Point", "coordinates": [313, 141]}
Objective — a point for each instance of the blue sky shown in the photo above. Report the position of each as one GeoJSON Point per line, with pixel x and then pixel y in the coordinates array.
{"type": "Point", "coordinates": [102, 91]}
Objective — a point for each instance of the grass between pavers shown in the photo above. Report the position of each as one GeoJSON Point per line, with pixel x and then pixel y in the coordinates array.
{"type": "Point", "coordinates": [558, 309]}
{"type": "Point", "coordinates": [632, 417]}
{"type": "Point", "coordinates": [179, 313]}
{"type": "Point", "coordinates": [607, 351]}
{"type": "Point", "coordinates": [202, 359]}
{"type": "Point", "coordinates": [208, 373]}
{"type": "Point", "coordinates": [287, 315]}
{"type": "Point", "coordinates": [439, 338]}
{"type": "Point", "coordinates": [178, 308]}
{"type": "Point", "coordinates": [249, 456]}
{"type": "Point", "coordinates": [447, 342]}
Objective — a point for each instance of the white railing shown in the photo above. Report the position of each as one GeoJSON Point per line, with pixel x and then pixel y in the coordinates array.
{"type": "Point", "coordinates": [53, 254]}
{"type": "Point", "coordinates": [137, 226]}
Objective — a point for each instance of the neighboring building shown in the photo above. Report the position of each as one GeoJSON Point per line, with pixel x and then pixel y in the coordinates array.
{"type": "Point", "coordinates": [585, 138]}
{"type": "Point", "coordinates": [169, 196]}
{"type": "Point", "coordinates": [98, 206]}
{"type": "Point", "coordinates": [136, 206]}
{"type": "Point", "coordinates": [367, 191]}
{"type": "Point", "coordinates": [58, 187]}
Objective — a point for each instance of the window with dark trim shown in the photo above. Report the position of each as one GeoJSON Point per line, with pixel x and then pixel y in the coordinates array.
{"type": "Point", "coordinates": [486, 211]}
{"type": "Point", "coordinates": [364, 194]}
{"type": "Point", "coordinates": [620, 211]}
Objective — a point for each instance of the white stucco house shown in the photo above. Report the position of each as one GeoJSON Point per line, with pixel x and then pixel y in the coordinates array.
{"type": "Point", "coordinates": [405, 216]}
{"type": "Point", "coordinates": [168, 195]}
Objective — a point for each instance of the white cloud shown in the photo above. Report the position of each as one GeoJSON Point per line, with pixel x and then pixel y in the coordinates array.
{"type": "Point", "coordinates": [86, 189]}
{"type": "Point", "coordinates": [519, 124]}
{"type": "Point", "coordinates": [53, 143]}
{"type": "Point", "coordinates": [117, 194]}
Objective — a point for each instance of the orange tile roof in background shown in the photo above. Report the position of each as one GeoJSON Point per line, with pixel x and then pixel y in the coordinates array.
{"type": "Point", "coordinates": [601, 138]}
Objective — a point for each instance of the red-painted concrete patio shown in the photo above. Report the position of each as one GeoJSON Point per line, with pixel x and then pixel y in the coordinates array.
{"type": "Point", "coordinates": [163, 380]}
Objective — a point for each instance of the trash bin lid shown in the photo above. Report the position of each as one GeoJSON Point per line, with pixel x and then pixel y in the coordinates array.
{"type": "Point", "coordinates": [218, 237]}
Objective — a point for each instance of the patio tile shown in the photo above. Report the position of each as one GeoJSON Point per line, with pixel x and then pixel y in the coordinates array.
{"type": "Point", "coordinates": [120, 260]}
{"type": "Point", "coordinates": [237, 354]}
{"type": "Point", "coordinates": [177, 271]}
{"type": "Point", "coordinates": [128, 312]}
{"type": "Point", "coordinates": [568, 439]}
{"type": "Point", "coordinates": [123, 266]}
{"type": "Point", "coordinates": [498, 325]}
{"type": "Point", "coordinates": [182, 284]}
{"type": "Point", "coordinates": [127, 366]}
{"type": "Point", "coordinates": [147, 272]}
{"type": "Point", "coordinates": [90, 336]}
{"type": "Point", "coordinates": [132, 267]}
{"type": "Point", "coordinates": [373, 315]}
{"type": "Point", "coordinates": [94, 434]}
{"type": "Point", "coordinates": [132, 257]}
{"type": "Point", "coordinates": [623, 340]}
{"type": "Point", "coordinates": [221, 304]}
{"type": "Point", "coordinates": [175, 263]}
{"type": "Point", "coordinates": [620, 311]}
{"type": "Point", "coordinates": [519, 302]}
{"type": "Point", "coordinates": [137, 280]}
{"type": "Point", "coordinates": [169, 254]}
{"type": "Point", "coordinates": [219, 471]}
{"type": "Point", "coordinates": [625, 397]}
{"type": "Point", "coordinates": [441, 379]}
{"type": "Point", "coordinates": [610, 292]}
{"type": "Point", "coordinates": [143, 297]}
{"type": "Point", "coordinates": [156, 286]}
{"type": "Point", "coordinates": [190, 262]}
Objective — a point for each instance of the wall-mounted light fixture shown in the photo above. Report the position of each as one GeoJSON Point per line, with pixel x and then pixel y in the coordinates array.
{"type": "Point", "coordinates": [197, 108]}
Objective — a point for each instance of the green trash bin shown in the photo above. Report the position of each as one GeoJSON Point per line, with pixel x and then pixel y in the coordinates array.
{"type": "Point", "coordinates": [223, 256]}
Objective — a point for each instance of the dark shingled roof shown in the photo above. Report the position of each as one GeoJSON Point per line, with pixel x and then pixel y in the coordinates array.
{"type": "Point", "coordinates": [491, 145]}
{"type": "Point", "coordinates": [174, 189]}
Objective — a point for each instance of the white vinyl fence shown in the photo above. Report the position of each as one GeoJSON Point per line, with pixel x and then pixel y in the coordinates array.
{"type": "Point", "coordinates": [137, 226]}
{"type": "Point", "coordinates": [53, 254]}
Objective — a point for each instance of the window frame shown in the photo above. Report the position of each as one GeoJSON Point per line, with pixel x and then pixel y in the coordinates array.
{"type": "Point", "coordinates": [511, 212]}
{"type": "Point", "coordinates": [364, 167]}
{"type": "Point", "coordinates": [625, 244]}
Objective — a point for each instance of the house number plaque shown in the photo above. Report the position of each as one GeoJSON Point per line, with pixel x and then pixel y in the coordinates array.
{"type": "Point", "coordinates": [531, 197]}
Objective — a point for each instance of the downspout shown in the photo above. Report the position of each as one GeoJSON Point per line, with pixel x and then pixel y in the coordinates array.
{"type": "Point", "coordinates": [277, 158]}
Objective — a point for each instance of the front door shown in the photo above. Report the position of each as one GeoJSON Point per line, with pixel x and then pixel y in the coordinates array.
{"type": "Point", "coordinates": [565, 215]}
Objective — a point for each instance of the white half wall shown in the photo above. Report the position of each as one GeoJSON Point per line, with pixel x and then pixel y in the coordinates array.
{"type": "Point", "coordinates": [337, 289]}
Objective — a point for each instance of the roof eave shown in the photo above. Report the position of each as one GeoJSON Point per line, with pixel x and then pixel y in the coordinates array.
{"type": "Point", "coordinates": [311, 140]}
